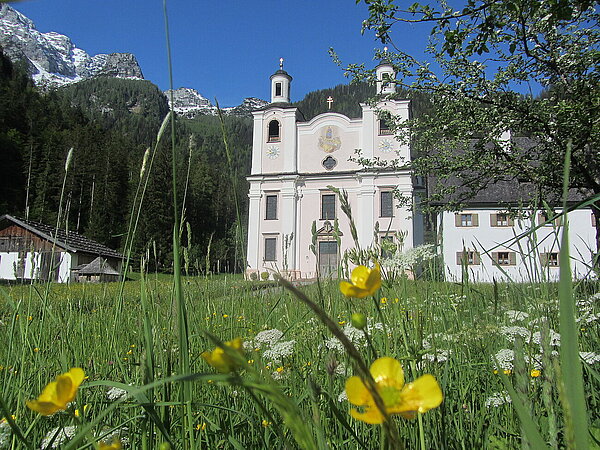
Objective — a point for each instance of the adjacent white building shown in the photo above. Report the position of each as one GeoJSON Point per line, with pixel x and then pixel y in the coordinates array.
{"type": "Point", "coordinates": [293, 163]}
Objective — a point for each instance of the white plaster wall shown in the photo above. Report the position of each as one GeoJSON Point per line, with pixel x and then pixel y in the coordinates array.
{"type": "Point", "coordinates": [493, 239]}
{"type": "Point", "coordinates": [7, 265]}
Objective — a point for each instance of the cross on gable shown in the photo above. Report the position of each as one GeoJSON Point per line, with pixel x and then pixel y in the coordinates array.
{"type": "Point", "coordinates": [329, 101]}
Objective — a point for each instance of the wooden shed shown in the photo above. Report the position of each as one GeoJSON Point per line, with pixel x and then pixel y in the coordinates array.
{"type": "Point", "coordinates": [32, 250]}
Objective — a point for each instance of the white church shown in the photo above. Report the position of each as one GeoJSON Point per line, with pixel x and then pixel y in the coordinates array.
{"type": "Point", "coordinates": [295, 162]}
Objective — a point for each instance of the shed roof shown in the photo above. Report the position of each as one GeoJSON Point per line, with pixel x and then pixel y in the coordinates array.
{"type": "Point", "coordinates": [68, 240]}
{"type": "Point", "coordinates": [98, 266]}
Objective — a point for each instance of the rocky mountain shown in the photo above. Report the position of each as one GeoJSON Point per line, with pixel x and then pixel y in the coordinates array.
{"type": "Point", "coordinates": [53, 61]}
{"type": "Point", "coordinates": [190, 103]}
{"type": "Point", "coordinates": [52, 58]}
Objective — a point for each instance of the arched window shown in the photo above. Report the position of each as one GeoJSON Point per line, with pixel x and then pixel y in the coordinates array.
{"type": "Point", "coordinates": [274, 134]}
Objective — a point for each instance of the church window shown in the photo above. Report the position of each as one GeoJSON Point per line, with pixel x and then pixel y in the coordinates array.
{"type": "Point", "coordinates": [270, 249]}
{"type": "Point", "coordinates": [274, 131]}
{"type": "Point", "coordinates": [386, 204]}
{"type": "Point", "coordinates": [271, 207]}
{"type": "Point", "coordinates": [466, 220]}
{"type": "Point", "coordinates": [329, 163]}
{"type": "Point", "coordinates": [328, 206]}
{"type": "Point", "coordinates": [278, 90]}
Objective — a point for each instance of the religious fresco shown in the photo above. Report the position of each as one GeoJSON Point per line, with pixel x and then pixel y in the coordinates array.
{"type": "Point", "coordinates": [330, 141]}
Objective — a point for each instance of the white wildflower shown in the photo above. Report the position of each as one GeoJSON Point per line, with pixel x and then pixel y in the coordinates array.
{"type": "Point", "coordinates": [536, 338]}
{"type": "Point", "coordinates": [512, 332]}
{"type": "Point", "coordinates": [279, 351]}
{"type": "Point", "coordinates": [56, 437]}
{"type": "Point", "coordinates": [5, 434]}
{"type": "Point", "coordinates": [343, 397]}
{"type": "Point", "coordinates": [266, 338]}
{"type": "Point", "coordinates": [439, 356]}
{"type": "Point", "coordinates": [333, 344]}
{"type": "Point", "coordinates": [516, 316]}
{"type": "Point", "coordinates": [353, 334]}
{"type": "Point", "coordinates": [497, 399]}
{"type": "Point", "coordinates": [589, 357]}
{"type": "Point", "coordinates": [341, 369]}
{"type": "Point", "coordinates": [504, 358]}
{"type": "Point", "coordinates": [115, 393]}
{"type": "Point", "coordinates": [119, 434]}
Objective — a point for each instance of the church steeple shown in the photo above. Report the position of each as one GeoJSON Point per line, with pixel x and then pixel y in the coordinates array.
{"type": "Point", "coordinates": [385, 76]}
{"type": "Point", "coordinates": [280, 85]}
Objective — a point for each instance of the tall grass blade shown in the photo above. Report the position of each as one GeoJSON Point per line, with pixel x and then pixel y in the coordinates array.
{"type": "Point", "coordinates": [577, 426]}
{"type": "Point", "coordinates": [182, 317]}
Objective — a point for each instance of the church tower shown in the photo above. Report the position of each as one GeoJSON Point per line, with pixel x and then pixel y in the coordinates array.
{"type": "Point", "coordinates": [280, 85]}
{"type": "Point", "coordinates": [385, 77]}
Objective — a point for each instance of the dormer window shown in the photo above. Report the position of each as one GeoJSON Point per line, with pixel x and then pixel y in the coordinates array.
{"type": "Point", "coordinates": [278, 90]}
{"type": "Point", "coordinates": [274, 131]}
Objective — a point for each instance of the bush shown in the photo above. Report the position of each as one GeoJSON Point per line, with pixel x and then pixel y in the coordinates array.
{"type": "Point", "coordinates": [264, 276]}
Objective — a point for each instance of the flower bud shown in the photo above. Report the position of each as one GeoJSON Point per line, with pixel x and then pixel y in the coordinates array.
{"type": "Point", "coordinates": [359, 320]}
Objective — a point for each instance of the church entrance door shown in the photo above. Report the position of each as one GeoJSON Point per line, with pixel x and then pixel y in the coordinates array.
{"type": "Point", "coordinates": [328, 258]}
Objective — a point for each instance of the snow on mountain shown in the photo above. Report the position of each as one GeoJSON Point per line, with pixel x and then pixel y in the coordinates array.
{"type": "Point", "coordinates": [52, 58]}
{"type": "Point", "coordinates": [190, 103]}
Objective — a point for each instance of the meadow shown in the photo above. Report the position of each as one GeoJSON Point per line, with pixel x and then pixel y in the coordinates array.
{"type": "Point", "coordinates": [289, 390]}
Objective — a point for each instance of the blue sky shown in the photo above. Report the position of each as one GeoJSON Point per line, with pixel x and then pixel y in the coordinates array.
{"type": "Point", "coordinates": [225, 49]}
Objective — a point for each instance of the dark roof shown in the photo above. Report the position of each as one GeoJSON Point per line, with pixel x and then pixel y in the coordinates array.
{"type": "Point", "coordinates": [69, 240]}
{"type": "Point", "coordinates": [506, 192]}
{"type": "Point", "coordinates": [282, 72]}
{"type": "Point", "coordinates": [98, 266]}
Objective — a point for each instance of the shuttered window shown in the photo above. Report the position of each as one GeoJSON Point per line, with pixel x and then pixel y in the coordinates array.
{"type": "Point", "coordinates": [466, 220]}
{"type": "Point", "coordinates": [504, 258]}
{"type": "Point", "coordinates": [550, 259]}
{"type": "Point", "coordinates": [501, 220]}
{"type": "Point", "coordinates": [271, 208]}
{"type": "Point", "coordinates": [387, 204]}
{"type": "Point", "coordinates": [469, 258]}
{"type": "Point", "coordinates": [270, 249]}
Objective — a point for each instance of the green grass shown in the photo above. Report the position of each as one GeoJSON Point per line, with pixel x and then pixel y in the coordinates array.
{"type": "Point", "coordinates": [77, 327]}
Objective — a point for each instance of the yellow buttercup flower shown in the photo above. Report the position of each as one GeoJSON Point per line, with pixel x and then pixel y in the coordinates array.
{"type": "Point", "coordinates": [116, 445]}
{"type": "Point", "coordinates": [535, 373]}
{"type": "Point", "coordinates": [363, 282]}
{"type": "Point", "coordinates": [59, 393]}
{"type": "Point", "coordinates": [220, 360]}
{"type": "Point", "coordinates": [407, 400]}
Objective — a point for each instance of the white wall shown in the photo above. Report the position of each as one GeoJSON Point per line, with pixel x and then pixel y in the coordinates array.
{"type": "Point", "coordinates": [9, 261]}
{"type": "Point", "coordinates": [486, 239]}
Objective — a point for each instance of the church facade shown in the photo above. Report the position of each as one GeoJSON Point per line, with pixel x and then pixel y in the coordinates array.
{"type": "Point", "coordinates": [296, 226]}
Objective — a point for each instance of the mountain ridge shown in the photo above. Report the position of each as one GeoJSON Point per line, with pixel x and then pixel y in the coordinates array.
{"type": "Point", "coordinates": [53, 61]}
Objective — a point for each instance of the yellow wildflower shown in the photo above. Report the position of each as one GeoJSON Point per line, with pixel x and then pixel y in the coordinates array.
{"type": "Point", "coordinates": [384, 300]}
{"type": "Point", "coordinates": [279, 369]}
{"type": "Point", "coordinates": [265, 423]}
{"type": "Point", "coordinates": [342, 322]}
{"type": "Point", "coordinates": [59, 393]}
{"type": "Point", "coordinates": [363, 282]}
{"type": "Point", "coordinates": [419, 396]}
{"type": "Point", "coordinates": [507, 371]}
{"type": "Point", "coordinates": [116, 445]}
{"type": "Point", "coordinates": [220, 360]}
{"type": "Point", "coordinates": [535, 373]}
